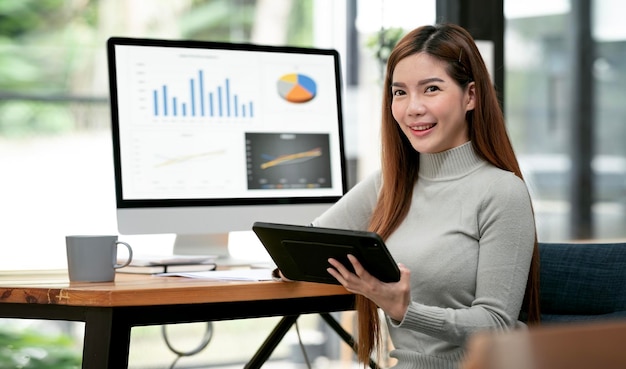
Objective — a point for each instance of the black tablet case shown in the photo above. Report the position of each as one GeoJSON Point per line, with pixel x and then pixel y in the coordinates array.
{"type": "Point", "coordinates": [301, 253]}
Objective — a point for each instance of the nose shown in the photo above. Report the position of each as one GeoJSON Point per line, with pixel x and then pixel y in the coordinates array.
{"type": "Point", "coordinates": [416, 106]}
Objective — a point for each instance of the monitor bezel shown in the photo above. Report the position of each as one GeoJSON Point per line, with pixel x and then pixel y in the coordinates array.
{"type": "Point", "coordinates": [123, 203]}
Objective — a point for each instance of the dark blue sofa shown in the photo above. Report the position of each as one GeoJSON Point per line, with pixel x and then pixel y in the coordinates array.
{"type": "Point", "coordinates": [582, 281]}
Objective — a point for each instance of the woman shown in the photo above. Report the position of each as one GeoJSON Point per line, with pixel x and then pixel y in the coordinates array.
{"type": "Point", "coordinates": [451, 203]}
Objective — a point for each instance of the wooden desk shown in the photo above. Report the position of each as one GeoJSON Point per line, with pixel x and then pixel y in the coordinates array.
{"type": "Point", "coordinates": [568, 346]}
{"type": "Point", "coordinates": [110, 310]}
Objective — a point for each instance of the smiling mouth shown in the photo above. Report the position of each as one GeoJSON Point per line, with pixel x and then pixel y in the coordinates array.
{"type": "Point", "coordinates": [423, 127]}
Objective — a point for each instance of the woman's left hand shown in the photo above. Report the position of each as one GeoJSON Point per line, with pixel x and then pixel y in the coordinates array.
{"type": "Point", "coordinates": [393, 298]}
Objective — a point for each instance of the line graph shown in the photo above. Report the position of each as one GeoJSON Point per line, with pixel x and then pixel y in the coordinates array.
{"type": "Point", "coordinates": [189, 157]}
{"type": "Point", "coordinates": [278, 161]}
{"type": "Point", "coordinates": [292, 158]}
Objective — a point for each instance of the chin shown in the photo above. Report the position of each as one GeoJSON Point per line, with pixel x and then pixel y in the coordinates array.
{"type": "Point", "coordinates": [424, 149]}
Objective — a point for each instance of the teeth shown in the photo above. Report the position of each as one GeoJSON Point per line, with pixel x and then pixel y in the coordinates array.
{"type": "Point", "coordinates": [422, 127]}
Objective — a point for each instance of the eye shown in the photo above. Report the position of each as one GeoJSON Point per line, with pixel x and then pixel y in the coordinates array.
{"type": "Point", "coordinates": [432, 89]}
{"type": "Point", "coordinates": [397, 92]}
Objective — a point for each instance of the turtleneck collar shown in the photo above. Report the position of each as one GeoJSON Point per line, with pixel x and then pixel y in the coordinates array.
{"type": "Point", "coordinates": [450, 164]}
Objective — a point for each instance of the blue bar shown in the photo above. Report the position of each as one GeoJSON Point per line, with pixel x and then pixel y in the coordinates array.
{"type": "Point", "coordinates": [236, 105]}
{"type": "Point", "coordinates": [219, 99]}
{"type": "Point", "coordinates": [155, 103]}
{"type": "Point", "coordinates": [243, 110]}
{"type": "Point", "coordinates": [227, 98]}
{"type": "Point", "coordinates": [201, 92]}
{"type": "Point", "coordinates": [184, 106]}
{"type": "Point", "coordinates": [165, 100]}
{"type": "Point", "coordinates": [193, 99]}
{"type": "Point", "coordinates": [251, 110]}
{"type": "Point", "coordinates": [211, 103]}
{"type": "Point", "coordinates": [174, 106]}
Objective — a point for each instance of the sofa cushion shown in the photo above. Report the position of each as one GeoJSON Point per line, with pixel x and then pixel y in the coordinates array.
{"type": "Point", "coordinates": [582, 279]}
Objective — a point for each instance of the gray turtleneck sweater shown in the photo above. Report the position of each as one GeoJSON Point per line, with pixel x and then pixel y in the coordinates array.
{"type": "Point", "coordinates": [468, 241]}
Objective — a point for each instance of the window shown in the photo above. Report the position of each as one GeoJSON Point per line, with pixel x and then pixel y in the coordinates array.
{"type": "Point", "coordinates": [539, 115]}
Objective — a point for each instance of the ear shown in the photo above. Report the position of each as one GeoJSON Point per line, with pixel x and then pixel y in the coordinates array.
{"type": "Point", "coordinates": [470, 96]}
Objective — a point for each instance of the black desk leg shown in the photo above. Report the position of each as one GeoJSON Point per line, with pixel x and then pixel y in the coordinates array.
{"type": "Point", "coordinates": [347, 337]}
{"type": "Point", "coordinates": [106, 344]}
{"type": "Point", "coordinates": [271, 342]}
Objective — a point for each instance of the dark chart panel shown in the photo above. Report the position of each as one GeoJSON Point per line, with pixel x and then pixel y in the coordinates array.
{"type": "Point", "coordinates": [288, 160]}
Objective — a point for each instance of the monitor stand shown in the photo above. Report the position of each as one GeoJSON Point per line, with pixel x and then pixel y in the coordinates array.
{"type": "Point", "coordinates": [209, 244]}
{"type": "Point", "coordinates": [202, 244]}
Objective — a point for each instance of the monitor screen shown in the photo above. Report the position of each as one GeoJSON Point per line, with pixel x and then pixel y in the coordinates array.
{"type": "Point", "coordinates": [209, 137]}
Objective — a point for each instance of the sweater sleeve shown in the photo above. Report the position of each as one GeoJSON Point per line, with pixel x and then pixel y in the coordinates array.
{"type": "Point", "coordinates": [506, 239]}
{"type": "Point", "coordinates": [354, 209]}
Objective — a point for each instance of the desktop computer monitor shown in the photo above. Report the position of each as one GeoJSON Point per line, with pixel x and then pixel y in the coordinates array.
{"type": "Point", "coordinates": [210, 137]}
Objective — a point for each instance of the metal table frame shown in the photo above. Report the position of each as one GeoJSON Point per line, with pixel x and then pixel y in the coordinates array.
{"type": "Point", "coordinates": [107, 329]}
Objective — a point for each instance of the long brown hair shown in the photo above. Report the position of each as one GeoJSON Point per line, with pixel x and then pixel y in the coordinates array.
{"type": "Point", "coordinates": [400, 162]}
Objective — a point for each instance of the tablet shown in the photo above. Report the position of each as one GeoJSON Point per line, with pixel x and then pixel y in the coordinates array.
{"type": "Point", "coordinates": [301, 253]}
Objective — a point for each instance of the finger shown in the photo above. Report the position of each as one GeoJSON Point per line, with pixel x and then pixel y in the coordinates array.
{"type": "Point", "coordinates": [343, 275]}
{"type": "Point", "coordinates": [282, 276]}
{"type": "Point", "coordinates": [340, 278]}
{"type": "Point", "coordinates": [358, 268]}
{"type": "Point", "coordinates": [336, 275]}
{"type": "Point", "coordinates": [347, 285]}
{"type": "Point", "coordinates": [339, 267]}
{"type": "Point", "coordinates": [405, 273]}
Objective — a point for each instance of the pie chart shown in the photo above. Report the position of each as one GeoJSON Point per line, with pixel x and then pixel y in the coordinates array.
{"type": "Point", "coordinates": [296, 88]}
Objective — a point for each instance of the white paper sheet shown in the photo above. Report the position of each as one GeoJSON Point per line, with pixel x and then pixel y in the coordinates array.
{"type": "Point", "coordinates": [228, 275]}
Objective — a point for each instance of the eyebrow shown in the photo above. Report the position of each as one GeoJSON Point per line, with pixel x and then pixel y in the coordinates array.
{"type": "Point", "coordinates": [420, 82]}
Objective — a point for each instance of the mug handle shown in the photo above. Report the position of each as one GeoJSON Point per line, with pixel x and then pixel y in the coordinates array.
{"type": "Point", "coordinates": [130, 255]}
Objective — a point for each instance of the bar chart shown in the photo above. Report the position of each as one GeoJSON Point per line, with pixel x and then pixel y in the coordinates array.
{"type": "Point", "coordinates": [200, 99]}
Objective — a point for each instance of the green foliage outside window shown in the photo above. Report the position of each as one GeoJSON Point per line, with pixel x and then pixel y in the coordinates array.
{"type": "Point", "coordinates": [30, 349]}
{"type": "Point", "coordinates": [52, 78]}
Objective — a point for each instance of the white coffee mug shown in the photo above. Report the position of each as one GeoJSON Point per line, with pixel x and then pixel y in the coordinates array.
{"type": "Point", "coordinates": [94, 258]}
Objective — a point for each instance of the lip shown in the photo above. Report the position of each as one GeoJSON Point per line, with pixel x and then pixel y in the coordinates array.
{"type": "Point", "coordinates": [422, 129]}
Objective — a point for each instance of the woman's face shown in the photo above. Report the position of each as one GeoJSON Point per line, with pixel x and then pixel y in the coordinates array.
{"type": "Point", "coordinates": [429, 105]}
